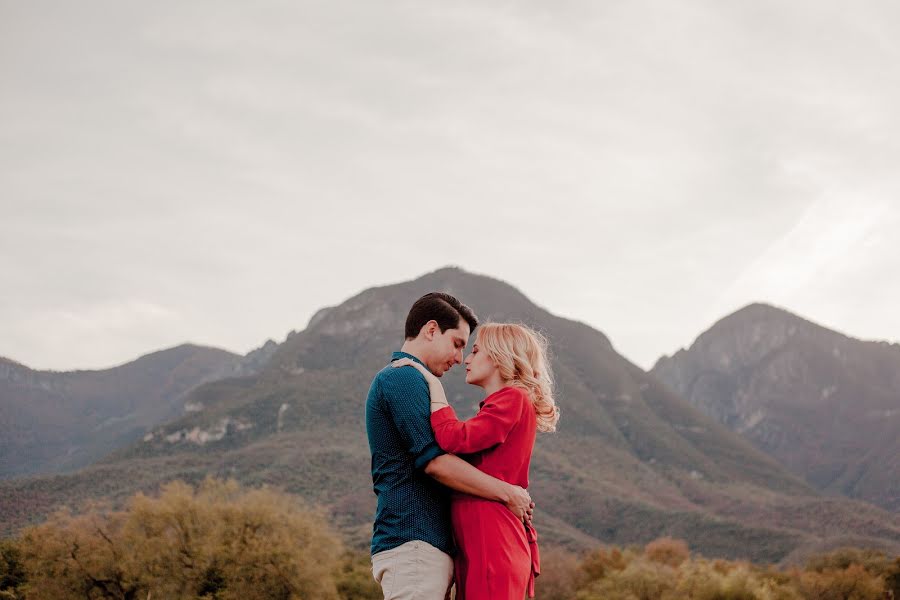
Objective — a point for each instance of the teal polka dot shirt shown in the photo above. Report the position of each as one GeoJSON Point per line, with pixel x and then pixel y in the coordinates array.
{"type": "Point", "coordinates": [411, 505]}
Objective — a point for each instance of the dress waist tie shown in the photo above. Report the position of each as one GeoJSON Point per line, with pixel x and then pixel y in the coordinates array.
{"type": "Point", "coordinates": [531, 535]}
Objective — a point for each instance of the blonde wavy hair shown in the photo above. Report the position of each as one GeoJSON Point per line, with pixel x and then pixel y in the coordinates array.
{"type": "Point", "coordinates": [520, 353]}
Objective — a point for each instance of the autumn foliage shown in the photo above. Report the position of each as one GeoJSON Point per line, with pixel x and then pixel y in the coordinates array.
{"type": "Point", "coordinates": [219, 541]}
{"type": "Point", "coordinates": [665, 570]}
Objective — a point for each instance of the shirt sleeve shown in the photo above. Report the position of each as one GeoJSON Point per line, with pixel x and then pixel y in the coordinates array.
{"type": "Point", "coordinates": [486, 429]}
{"type": "Point", "coordinates": [406, 396]}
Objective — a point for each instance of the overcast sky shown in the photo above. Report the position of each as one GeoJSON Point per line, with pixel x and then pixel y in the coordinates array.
{"type": "Point", "coordinates": [215, 172]}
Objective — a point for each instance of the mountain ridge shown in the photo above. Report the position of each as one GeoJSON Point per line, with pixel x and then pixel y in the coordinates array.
{"type": "Point", "coordinates": [61, 420]}
{"type": "Point", "coordinates": [632, 460]}
{"type": "Point", "coordinates": [823, 403]}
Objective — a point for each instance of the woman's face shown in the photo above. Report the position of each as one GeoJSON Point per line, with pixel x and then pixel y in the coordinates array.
{"type": "Point", "coordinates": [479, 367]}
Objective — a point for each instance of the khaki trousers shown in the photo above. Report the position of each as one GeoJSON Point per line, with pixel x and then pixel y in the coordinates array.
{"type": "Point", "coordinates": [415, 570]}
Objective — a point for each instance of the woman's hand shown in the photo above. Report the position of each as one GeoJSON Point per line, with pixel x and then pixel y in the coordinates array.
{"type": "Point", "coordinates": [435, 389]}
{"type": "Point", "coordinates": [408, 362]}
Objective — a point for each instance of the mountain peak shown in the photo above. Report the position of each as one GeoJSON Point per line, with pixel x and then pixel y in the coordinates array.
{"type": "Point", "coordinates": [757, 311]}
{"type": "Point", "coordinates": [448, 271]}
{"type": "Point", "coordinates": [8, 362]}
{"type": "Point", "coordinates": [799, 391]}
{"type": "Point", "coordinates": [761, 327]}
{"type": "Point", "coordinates": [384, 308]}
{"type": "Point", "coordinates": [372, 321]}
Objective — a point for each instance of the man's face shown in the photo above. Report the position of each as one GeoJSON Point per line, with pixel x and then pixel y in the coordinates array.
{"type": "Point", "coordinates": [447, 348]}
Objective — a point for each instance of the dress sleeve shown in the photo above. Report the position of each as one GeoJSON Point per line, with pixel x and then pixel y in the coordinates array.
{"type": "Point", "coordinates": [488, 428]}
{"type": "Point", "coordinates": [405, 393]}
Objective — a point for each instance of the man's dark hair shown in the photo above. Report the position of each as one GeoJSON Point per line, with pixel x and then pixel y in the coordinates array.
{"type": "Point", "coordinates": [440, 307]}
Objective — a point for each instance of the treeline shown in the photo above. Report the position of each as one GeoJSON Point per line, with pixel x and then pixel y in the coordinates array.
{"type": "Point", "coordinates": [219, 541]}
{"type": "Point", "coordinates": [665, 570]}
{"type": "Point", "coordinates": [214, 542]}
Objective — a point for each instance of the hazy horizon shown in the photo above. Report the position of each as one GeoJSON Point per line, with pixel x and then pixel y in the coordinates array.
{"type": "Point", "coordinates": [216, 173]}
{"type": "Point", "coordinates": [279, 338]}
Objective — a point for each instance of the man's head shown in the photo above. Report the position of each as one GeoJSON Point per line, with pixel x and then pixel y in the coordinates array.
{"type": "Point", "coordinates": [437, 330]}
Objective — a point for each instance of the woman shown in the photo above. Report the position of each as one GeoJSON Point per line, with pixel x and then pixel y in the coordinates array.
{"type": "Point", "coordinates": [497, 556]}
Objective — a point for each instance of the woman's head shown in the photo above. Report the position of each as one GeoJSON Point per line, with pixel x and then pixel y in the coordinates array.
{"type": "Point", "coordinates": [517, 356]}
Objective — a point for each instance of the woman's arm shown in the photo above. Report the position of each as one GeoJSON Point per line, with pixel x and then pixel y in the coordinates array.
{"type": "Point", "coordinates": [459, 475]}
{"type": "Point", "coordinates": [485, 430]}
{"type": "Point", "coordinates": [436, 390]}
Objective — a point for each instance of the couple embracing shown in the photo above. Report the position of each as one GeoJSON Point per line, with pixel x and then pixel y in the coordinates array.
{"type": "Point", "coordinates": [452, 498]}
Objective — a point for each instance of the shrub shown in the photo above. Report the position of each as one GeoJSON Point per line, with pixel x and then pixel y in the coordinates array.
{"type": "Point", "coordinates": [216, 542]}
{"type": "Point", "coordinates": [12, 571]}
{"type": "Point", "coordinates": [640, 580]}
{"type": "Point", "coordinates": [702, 580]}
{"type": "Point", "coordinates": [667, 551]}
{"type": "Point", "coordinates": [852, 583]}
{"type": "Point", "coordinates": [354, 578]}
{"type": "Point", "coordinates": [599, 563]}
{"type": "Point", "coordinates": [892, 579]}
{"type": "Point", "coordinates": [559, 574]}
{"type": "Point", "coordinates": [872, 560]}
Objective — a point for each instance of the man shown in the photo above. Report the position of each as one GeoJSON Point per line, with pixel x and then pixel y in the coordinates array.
{"type": "Point", "coordinates": [413, 539]}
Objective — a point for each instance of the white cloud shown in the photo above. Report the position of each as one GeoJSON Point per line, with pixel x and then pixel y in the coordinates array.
{"type": "Point", "coordinates": [645, 166]}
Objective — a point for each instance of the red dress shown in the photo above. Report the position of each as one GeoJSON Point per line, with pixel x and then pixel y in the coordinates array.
{"type": "Point", "coordinates": [497, 558]}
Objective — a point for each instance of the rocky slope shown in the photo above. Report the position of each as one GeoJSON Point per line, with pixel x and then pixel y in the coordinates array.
{"type": "Point", "coordinates": [825, 405]}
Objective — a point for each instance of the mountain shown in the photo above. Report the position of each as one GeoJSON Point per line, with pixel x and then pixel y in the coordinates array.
{"type": "Point", "coordinates": [58, 421]}
{"type": "Point", "coordinates": [825, 405]}
{"type": "Point", "coordinates": [631, 461]}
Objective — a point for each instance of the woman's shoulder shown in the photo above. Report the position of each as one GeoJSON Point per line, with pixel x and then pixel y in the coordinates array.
{"type": "Point", "coordinates": [513, 394]}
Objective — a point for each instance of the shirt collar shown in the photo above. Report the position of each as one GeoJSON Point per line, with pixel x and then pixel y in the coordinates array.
{"type": "Point", "coordinates": [398, 355]}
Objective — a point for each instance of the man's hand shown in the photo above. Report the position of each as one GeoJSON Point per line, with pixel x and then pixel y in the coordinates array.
{"type": "Point", "coordinates": [519, 502]}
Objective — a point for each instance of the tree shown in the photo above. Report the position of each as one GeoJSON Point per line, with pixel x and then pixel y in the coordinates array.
{"type": "Point", "coordinates": [354, 578]}
{"type": "Point", "coordinates": [558, 578]}
{"type": "Point", "coordinates": [12, 571]}
{"type": "Point", "coordinates": [667, 551]}
{"type": "Point", "coordinates": [852, 583]}
{"type": "Point", "coordinates": [892, 579]}
{"type": "Point", "coordinates": [218, 542]}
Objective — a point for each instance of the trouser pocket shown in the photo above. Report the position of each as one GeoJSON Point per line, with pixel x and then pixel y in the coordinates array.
{"type": "Point", "coordinates": [415, 570]}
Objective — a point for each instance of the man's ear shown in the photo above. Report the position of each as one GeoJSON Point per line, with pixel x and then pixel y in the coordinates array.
{"type": "Point", "coordinates": [429, 329]}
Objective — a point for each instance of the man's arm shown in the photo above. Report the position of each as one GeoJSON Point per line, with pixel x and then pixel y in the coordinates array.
{"type": "Point", "coordinates": [456, 473]}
